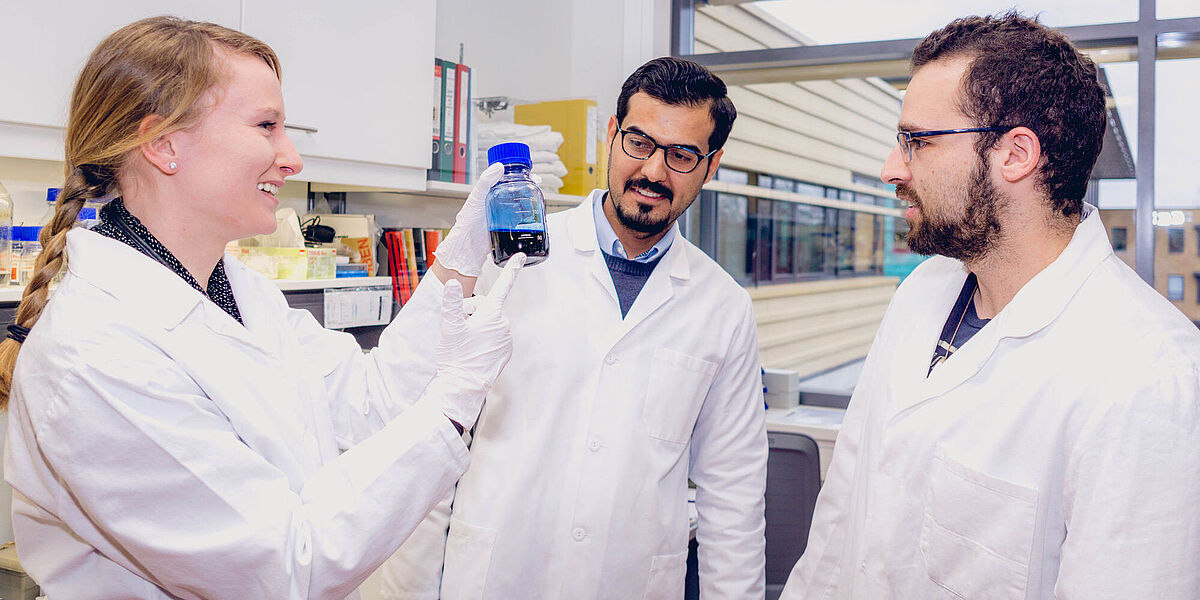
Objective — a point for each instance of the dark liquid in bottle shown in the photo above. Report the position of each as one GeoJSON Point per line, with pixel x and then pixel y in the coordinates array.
{"type": "Point", "coordinates": [507, 242]}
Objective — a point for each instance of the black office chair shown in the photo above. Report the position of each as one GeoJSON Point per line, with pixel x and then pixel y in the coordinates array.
{"type": "Point", "coordinates": [793, 480]}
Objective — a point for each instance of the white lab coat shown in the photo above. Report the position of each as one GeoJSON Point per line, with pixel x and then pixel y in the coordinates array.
{"type": "Point", "coordinates": [158, 449]}
{"type": "Point", "coordinates": [578, 480]}
{"type": "Point", "coordinates": [1055, 455]}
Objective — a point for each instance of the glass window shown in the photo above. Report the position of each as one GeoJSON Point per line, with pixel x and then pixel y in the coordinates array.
{"type": "Point", "coordinates": [809, 189]}
{"type": "Point", "coordinates": [761, 256]}
{"type": "Point", "coordinates": [1119, 238]}
{"type": "Point", "coordinates": [812, 239]}
{"type": "Point", "coordinates": [844, 22]}
{"type": "Point", "coordinates": [784, 248]}
{"type": "Point", "coordinates": [880, 245]}
{"type": "Point", "coordinates": [732, 176]}
{"type": "Point", "coordinates": [1175, 287]}
{"type": "Point", "coordinates": [900, 237]}
{"type": "Point", "coordinates": [864, 242]}
{"type": "Point", "coordinates": [1177, 9]}
{"type": "Point", "coordinates": [845, 242]}
{"type": "Point", "coordinates": [733, 250]}
{"type": "Point", "coordinates": [1177, 129]}
{"type": "Point", "coordinates": [1175, 240]}
{"type": "Point", "coordinates": [784, 184]}
{"type": "Point", "coordinates": [1116, 167]}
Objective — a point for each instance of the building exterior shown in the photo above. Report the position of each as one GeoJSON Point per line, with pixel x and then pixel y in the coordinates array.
{"type": "Point", "coordinates": [797, 213]}
{"type": "Point", "coordinates": [1176, 253]}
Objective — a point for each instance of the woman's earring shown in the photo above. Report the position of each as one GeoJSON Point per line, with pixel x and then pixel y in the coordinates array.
{"type": "Point", "coordinates": [173, 166]}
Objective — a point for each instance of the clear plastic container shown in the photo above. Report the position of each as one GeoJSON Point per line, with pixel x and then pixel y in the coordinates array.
{"type": "Point", "coordinates": [51, 198]}
{"type": "Point", "coordinates": [516, 211]}
{"type": "Point", "coordinates": [88, 217]}
{"type": "Point", "coordinates": [30, 248]}
{"type": "Point", "coordinates": [6, 212]}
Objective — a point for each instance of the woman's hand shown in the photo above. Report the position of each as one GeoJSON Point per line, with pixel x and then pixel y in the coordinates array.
{"type": "Point", "coordinates": [467, 245]}
{"type": "Point", "coordinates": [473, 349]}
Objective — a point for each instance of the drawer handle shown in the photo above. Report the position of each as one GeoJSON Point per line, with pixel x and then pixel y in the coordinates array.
{"type": "Point", "coordinates": [304, 128]}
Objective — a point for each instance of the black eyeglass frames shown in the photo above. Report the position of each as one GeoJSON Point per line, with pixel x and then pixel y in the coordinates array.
{"type": "Point", "coordinates": [905, 138]}
{"type": "Point", "coordinates": [679, 158]}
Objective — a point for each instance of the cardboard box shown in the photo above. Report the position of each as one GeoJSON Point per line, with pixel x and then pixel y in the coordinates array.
{"type": "Point", "coordinates": [583, 139]}
{"type": "Point", "coordinates": [356, 228]}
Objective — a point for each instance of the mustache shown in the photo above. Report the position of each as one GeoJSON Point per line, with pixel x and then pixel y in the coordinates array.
{"type": "Point", "coordinates": [652, 186]}
{"type": "Point", "coordinates": [907, 194]}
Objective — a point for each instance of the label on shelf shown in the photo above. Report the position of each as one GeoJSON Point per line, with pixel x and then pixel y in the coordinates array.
{"type": "Point", "coordinates": [358, 306]}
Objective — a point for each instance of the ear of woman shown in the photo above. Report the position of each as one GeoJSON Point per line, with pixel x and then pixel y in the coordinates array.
{"type": "Point", "coordinates": [159, 151]}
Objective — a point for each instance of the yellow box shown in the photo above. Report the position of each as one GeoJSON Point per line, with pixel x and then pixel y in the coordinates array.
{"type": "Point", "coordinates": [578, 122]}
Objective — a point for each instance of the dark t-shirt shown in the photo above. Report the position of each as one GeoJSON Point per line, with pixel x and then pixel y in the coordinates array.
{"type": "Point", "coordinates": [962, 324]}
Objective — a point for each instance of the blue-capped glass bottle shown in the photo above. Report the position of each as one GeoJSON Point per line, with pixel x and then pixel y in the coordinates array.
{"type": "Point", "coordinates": [516, 211]}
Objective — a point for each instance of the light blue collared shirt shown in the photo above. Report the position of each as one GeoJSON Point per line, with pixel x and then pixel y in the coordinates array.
{"type": "Point", "coordinates": [610, 244]}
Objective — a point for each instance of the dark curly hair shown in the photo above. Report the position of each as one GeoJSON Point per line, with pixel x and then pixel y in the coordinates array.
{"type": "Point", "coordinates": [1024, 74]}
{"type": "Point", "coordinates": [682, 82]}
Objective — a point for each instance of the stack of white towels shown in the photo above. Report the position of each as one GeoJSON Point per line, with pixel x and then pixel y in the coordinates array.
{"type": "Point", "coordinates": [543, 145]}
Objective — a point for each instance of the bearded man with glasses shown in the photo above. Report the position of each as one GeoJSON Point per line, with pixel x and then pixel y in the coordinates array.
{"type": "Point", "coordinates": [1027, 423]}
{"type": "Point", "coordinates": [635, 368]}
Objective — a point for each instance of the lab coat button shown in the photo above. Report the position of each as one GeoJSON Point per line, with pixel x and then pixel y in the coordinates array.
{"type": "Point", "coordinates": [579, 534]}
{"type": "Point", "coordinates": [594, 445]}
{"type": "Point", "coordinates": [611, 359]}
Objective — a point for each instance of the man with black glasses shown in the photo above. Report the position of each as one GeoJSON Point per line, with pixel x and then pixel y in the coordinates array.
{"type": "Point", "coordinates": [1027, 425]}
{"type": "Point", "coordinates": [635, 368]}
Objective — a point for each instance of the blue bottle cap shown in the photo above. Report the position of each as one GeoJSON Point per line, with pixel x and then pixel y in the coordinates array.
{"type": "Point", "coordinates": [26, 233]}
{"type": "Point", "coordinates": [510, 153]}
{"type": "Point", "coordinates": [52, 194]}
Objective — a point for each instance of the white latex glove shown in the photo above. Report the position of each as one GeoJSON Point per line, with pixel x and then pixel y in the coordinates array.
{"type": "Point", "coordinates": [468, 244]}
{"type": "Point", "coordinates": [473, 350]}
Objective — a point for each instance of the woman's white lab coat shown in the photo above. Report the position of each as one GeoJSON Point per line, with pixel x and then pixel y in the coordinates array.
{"type": "Point", "coordinates": [157, 448]}
{"type": "Point", "coordinates": [1055, 455]}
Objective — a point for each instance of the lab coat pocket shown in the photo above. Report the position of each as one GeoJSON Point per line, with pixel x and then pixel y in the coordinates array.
{"type": "Point", "coordinates": [676, 390]}
{"type": "Point", "coordinates": [666, 577]}
{"type": "Point", "coordinates": [977, 533]}
{"type": "Point", "coordinates": [468, 557]}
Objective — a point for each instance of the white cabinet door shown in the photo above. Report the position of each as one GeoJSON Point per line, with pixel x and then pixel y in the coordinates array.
{"type": "Point", "coordinates": [43, 44]}
{"type": "Point", "coordinates": [359, 72]}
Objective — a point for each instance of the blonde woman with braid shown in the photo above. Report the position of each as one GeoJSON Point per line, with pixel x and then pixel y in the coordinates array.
{"type": "Point", "coordinates": [175, 430]}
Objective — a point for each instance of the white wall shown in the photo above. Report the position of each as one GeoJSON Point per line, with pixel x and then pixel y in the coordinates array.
{"type": "Point", "coordinates": [552, 50]}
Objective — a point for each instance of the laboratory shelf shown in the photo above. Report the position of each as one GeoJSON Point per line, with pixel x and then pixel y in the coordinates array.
{"type": "Point", "coordinates": [290, 285]}
{"type": "Point", "coordinates": [440, 189]}
{"type": "Point", "coordinates": [12, 294]}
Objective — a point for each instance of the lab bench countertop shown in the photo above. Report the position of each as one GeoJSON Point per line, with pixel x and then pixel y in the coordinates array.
{"type": "Point", "coordinates": [11, 294]}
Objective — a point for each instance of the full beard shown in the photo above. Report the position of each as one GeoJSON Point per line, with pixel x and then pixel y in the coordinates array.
{"type": "Point", "coordinates": [970, 236]}
{"type": "Point", "coordinates": [641, 220]}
